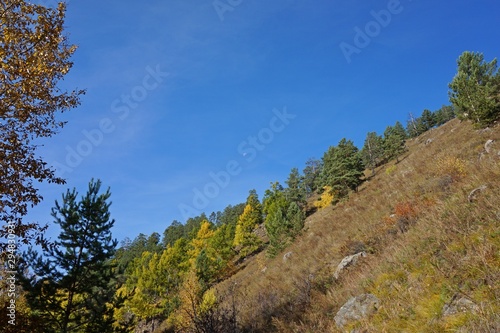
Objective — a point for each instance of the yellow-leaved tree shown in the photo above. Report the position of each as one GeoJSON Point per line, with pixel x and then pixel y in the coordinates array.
{"type": "Point", "coordinates": [34, 57]}
{"type": "Point", "coordinates": [151, 289]}
{"type": "Point", "coordinates": [245, 239]}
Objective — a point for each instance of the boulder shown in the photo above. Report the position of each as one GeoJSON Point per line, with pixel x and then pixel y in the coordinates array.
{"type": "Point", "coordinates": [356, 308]}
{"type": "Point", "coordinates": [459, 305]}
{"type": "Point", "coordinates": [473, 194]}
{"type": "Point", "coordinates": [487, 146]}
{"type": "Point", "coordinates": [485, 130]}
{"type": "Point", "coordinates": [147, 326]}
{"type": "Point", "coordinates": [287, 256]}
{"type": "Point", "coordinates": [346, 262]}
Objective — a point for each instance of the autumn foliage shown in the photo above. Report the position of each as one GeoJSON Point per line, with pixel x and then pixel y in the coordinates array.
{"type": "Point", "coordinates": [34, 57]}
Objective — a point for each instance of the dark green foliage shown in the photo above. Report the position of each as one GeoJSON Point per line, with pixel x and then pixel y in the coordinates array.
{"type": "Point", "coordinates": [206, 269]}
{"type": "Point", "coordinates": [276, 230]}
{"type": "Point", "coordinates": [193, 225]}
{"type": "Point", "coordinates": [428, 119]}
{"type": "Point", "coordinates": [72, 284]}
{"type": "Point", "coordinates": [222, 241]}
{"type": "Point", "coordinates": [296, 192]}
{"type": "Point", "coordinates": [312, 173]}
{"type": "Point", "coordinates": [153, 244]}
{"type": "Point", "coordinates": [475, 89]}
{"type": "Point", "coordinates": [274, 199]}
{"type": "Point", "coordinates": [399, 130]}
{"type": "Point", "coordinates": [296, 219]}
{"type": "Point", "coordinates": [214, 218]}
{"type": "Point", "coordinates": [342, 168]}
{"type": "Point", "coordinates": [230, 214]}
{"type": "Point", "coordinates": [284, 218]}
{"type": "Point", "coordinates": [394, 143]}
{"type": "Point", "coordinates": [173, 232]}
{"type": "Point", "coordinates": [444, 114]}
{"type": "Point", "coordinates": [283, 226]}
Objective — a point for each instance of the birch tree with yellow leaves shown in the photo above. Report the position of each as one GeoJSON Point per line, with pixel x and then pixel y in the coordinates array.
{"type": "Point", "coordinates": [34, 57]}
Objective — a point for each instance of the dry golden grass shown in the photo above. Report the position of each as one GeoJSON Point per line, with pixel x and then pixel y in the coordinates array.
{"type": "Point", "coordinates": [426, 243]}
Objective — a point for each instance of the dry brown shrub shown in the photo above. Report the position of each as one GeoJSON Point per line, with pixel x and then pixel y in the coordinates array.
{"type": "Point", "coordinates": [451, 166]}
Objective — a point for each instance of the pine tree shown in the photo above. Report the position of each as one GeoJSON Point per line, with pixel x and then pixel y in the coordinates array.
{"type": "Point", "coordinates": [173, 232]}
{"type": "Point", "coordinates": [222, 243]}
{"type": "Point", "coordinates": [475, 89]}
{"type": "Point", "coordinates": [276, 230]}
{"type": "Point", "coordinates": [284, 219]}
{"type": "Point", "coordinates": [399, 129]}
{"type": "Point", "coordinates": [373, 151]}
{"type": "Point", "coordinates": [275, 208]}
{"type": "Point", "coordinates": [72, 283]}
{"type": "Point", "coordinates": [296, 219]}
{"type": "Point", "coordinates": [153, 244]}
{"type": "Point", "coordinates": [343, 168]}
{"type": "Point", "coordinates": [428, 120]}
{"type": "Point", "coordinates": [444, 114]}
{"type": "Point", "coordinates": [193, 225]}
{"type": "Point", "coordinates": [296, 191]}
{"type": "Point", "coordinates": [275, 198]}
{"type": "Point", "coordinates": [312, 172]}
{"type": "Point", "coordinates": [394, 144]}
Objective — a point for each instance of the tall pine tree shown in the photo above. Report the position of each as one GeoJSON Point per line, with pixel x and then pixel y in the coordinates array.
{"type": "Point", "coordinates": [428, 119]}
{"type": "Point", "coordinates": [71, 287]}
{"type": "Point", "coordinates": [475, 89]}
{"type": "Point", "coordinates": [342, 168]}
{"type": "Point", "coordinates": [394, 143]}
{"type": "Point", "coordinates": [296, 191]}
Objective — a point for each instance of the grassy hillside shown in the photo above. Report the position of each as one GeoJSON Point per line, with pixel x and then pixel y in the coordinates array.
{"type": "Point", "coordinates": [428, 243]}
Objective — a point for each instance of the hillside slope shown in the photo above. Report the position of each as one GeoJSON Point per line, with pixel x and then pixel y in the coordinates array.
{"type": "Point", "coordinates": [432, 249]}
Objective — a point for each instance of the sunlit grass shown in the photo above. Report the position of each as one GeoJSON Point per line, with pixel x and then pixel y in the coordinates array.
{"type": "Point", "coordinates": [425, 242]}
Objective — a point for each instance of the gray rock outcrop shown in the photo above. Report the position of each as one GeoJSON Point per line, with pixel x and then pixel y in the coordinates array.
{"type": "Point", "coordinates": [346, 262]}
{"type": "Point", "coordinates": [487, 146]}
{"type": "Point", "coordinates": [356, 308]}
{"type": "Point", "coordinates": [473, 194]}
{"type": "Point", "coordinates": [459, 305]}
{"type": "Point", "coordinates": [287, 256]}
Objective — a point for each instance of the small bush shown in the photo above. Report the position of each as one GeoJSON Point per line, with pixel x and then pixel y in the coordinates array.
{"type": "Point", "coordinates": [406, 209]}
{"type": "Point", "coordinates": [406, 214]}
{"type": "Point", "coordinates": [452, 167]}
{"type": "Point", "coordinates": [390, 170]}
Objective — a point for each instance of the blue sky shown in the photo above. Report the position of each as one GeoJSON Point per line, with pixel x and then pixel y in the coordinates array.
{"type": "Point", "coordinates": [218, 98]}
